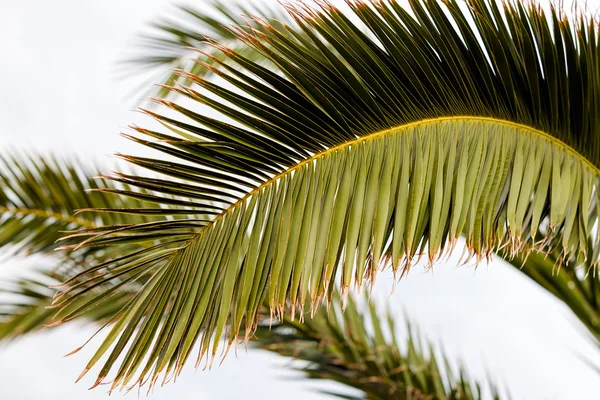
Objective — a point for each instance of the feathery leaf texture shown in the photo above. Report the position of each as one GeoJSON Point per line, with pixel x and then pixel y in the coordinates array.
{"type": "Point", "coordinates": [173, 43]}
{"type": "Point", "coordinates": [26, 304]}
{"type": "Point", "coordinates": [359, 348]}
{"type": "Point", "coordinates": [40, 194]}
{"type": "Point", "coordinates": [373, 144]}
{"type": "Point", "coordinates": [39, 197]}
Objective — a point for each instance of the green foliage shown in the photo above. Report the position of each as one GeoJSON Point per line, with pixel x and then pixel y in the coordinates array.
{"type": "Point", "coordinates": [333, 344]}
{"type": "Point", "coordinates": [293, 187]}
{"type": "Point", "coordinates": [356, 348]}
{"type": "Point", "coordinates": [574, 285]}
{"type": "Point", "coordinates": [359, 348]}
{"type": "Point", "coordinates": [184, 40]}
{"type": "Point", "coordinates": [40, 195]}
{"type": "Point", "coordinates": [26, 305]}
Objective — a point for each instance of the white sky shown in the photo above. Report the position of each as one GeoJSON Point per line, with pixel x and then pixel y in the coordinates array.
{"type": "Point", "coordinates": [60, 93]}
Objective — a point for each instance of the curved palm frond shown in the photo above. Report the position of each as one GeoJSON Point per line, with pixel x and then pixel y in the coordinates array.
{"type": "Point", "coordinates": [360, 349]}
{"type": "Point", "coordinates": [174, 42]}
{"type": "Point", "coordinates": [544, 270]}
{"type": "Point", "coordinates": [357, 154]}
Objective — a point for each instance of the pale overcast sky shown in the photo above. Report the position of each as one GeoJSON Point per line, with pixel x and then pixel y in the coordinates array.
{"type": "Point", "coordinates": [60, 93]}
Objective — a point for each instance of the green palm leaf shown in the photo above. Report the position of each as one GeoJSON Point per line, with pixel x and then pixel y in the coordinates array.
{"type": "Point", "coordinates": [356, 348]}
{"type": "Point", "coordinates": [174, 42]}
{"type": "Point", "coordinates": [360, 349]}
{"type": "Point", "coordinates": [357, 154]}
{"type": "Point", "coordinates": [40, 194]}
{"type": "Point", "coordinates": [26, 304]}
{"type": "Point", "coordinates": [577, 286]}
{"type": "Point", "coordinates": [545, 269]}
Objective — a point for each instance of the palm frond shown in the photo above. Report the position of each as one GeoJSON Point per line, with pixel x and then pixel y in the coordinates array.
{"type": "Point", "coordinates": [359, 348]}
{"type": "Point", "coordinates": [37, 204]}
{"type": "Point", "coordinates": [356, 347]}
{"type": "Point", "coordinates": [357, 154]}
{"type": "Point", "coordinates": [577, 286]}
{"type": "Point", "coordinates": [173, 42]}
{"type": "Point", "coordinates": [40, 195]}
{"type": "Point", "coordinates": [26, 304]}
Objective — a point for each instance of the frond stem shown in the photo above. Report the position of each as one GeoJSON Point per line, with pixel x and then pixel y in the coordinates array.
{"type": "Point", "coordinates": [375, 135]}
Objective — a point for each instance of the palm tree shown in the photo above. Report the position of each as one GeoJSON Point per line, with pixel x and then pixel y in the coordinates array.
{"type": "Point", "coordinates": [349, 145]}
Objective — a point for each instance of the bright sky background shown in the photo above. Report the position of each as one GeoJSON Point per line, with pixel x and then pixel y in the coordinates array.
{"type": "Point", "coordinates": [60, 93]}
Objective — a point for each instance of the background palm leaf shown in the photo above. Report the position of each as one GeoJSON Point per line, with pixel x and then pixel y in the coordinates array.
{"type": "Point", "coordinates": [40, 195]}
{"type": "Point", "coordinates": [25, 304]}
{"type": "Point", "coordinates": [356, 348]}
{"type": "Point", "coordinates": [174, 42]}
{"type": "Point", "coordinates": [302, 153]}
{"type": "Point", "coordinates": [359, 348]}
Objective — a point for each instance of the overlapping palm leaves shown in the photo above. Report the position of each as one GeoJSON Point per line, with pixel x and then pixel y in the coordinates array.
{"type": "Point", "coordinates": [574, 285]}
{"type": "Point", "coordinates": [359, 348]}
{"type": "Point", "coordinates": [38, 201]}
{"type": "Point", "coordinates": [338, 347]}
{"type": "Point", "coordinates": [330, 342]}
{"type": "Point", "coordinates": [359, 153]}
{"type": "Point", "coordinates": [356, 348]}
{"type": "Point", "coordinates": [40, 195]}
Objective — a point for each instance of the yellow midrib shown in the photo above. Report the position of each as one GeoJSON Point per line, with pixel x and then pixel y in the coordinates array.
{"type": "Point", "coordinates": [49, 214]}
{"type": "Point", "coordinates": [375, 135]}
